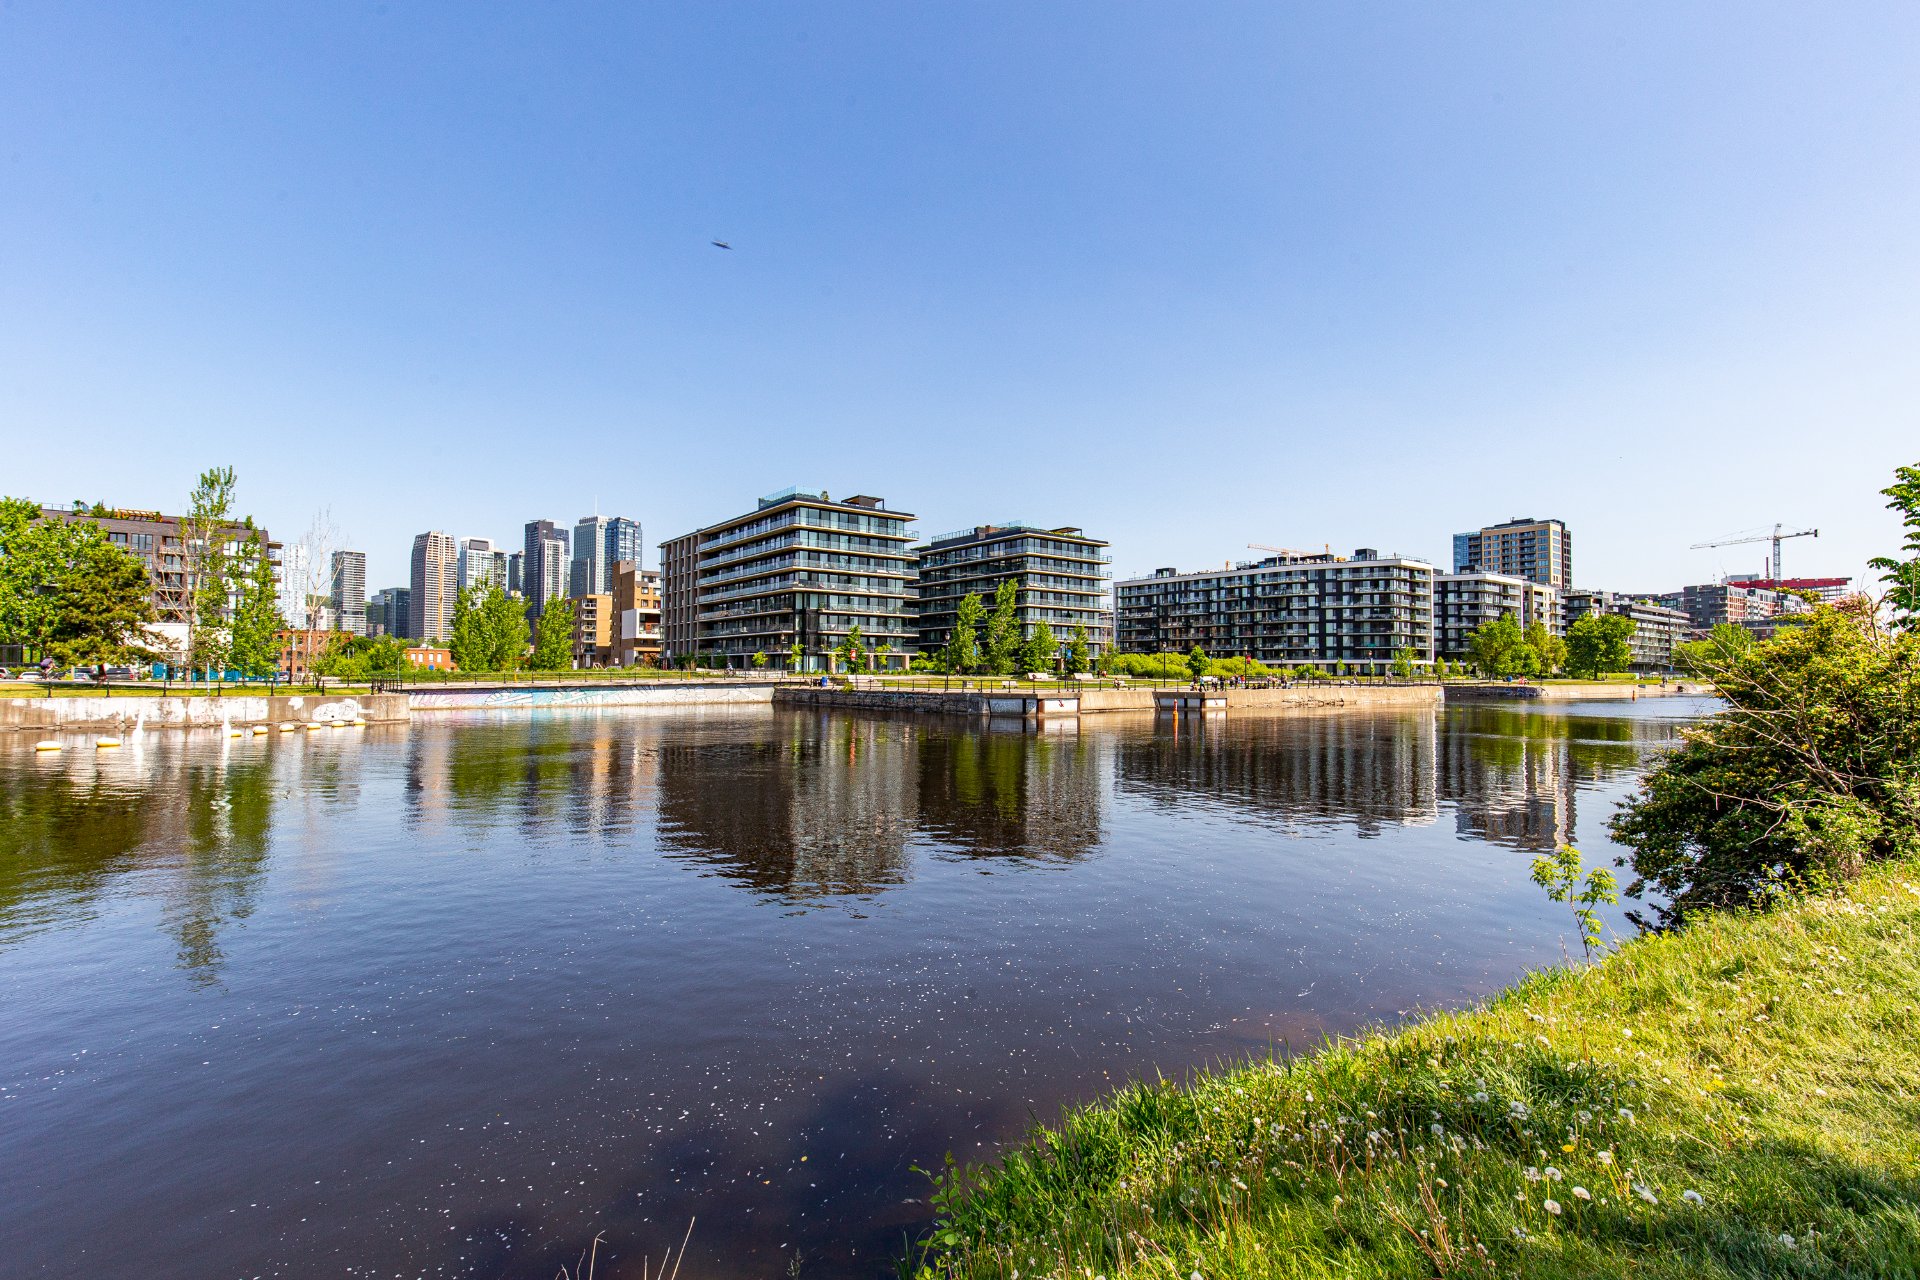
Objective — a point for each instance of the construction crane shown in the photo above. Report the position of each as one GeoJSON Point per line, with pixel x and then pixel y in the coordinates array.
{"type": "Point", "coordinates": [1776, 537]}
{"type": "Point", "coordinates": [1280, 551]}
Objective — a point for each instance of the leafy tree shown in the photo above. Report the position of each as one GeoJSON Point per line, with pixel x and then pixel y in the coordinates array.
{"type": "Point", "coordinates": [1903, 576]}
{"type": "Point", "coordinates": [759, 660]}
{"type": "Point", "coordinates": [256, 624]}
{"type": "Point", "coordinates": [1198, 664]}
{"type": "Point", "coordinates": [1077, 652]}
{"type": "Point", "coordinates": [489, 630]}
{"type": "Point", "coordinates": [204, 534]}
{"type": "Point", "coordinates": [1597, 644]}
{"type": "Point", "coordinates": [1003, 630]}
{"type": "Point", "coordinates": [1403, 663]}
{"type": "Point", "coordinates": [796, 653]}
{"type": "Point", "coordinates": [1549, 650]}
{"type": "Point", "coordinates": [1036, 653]}
{"type": "Point", "coordinates": [1722, 645]}
{"type": "Point", "coordinates": [963, 646]}
{"type": "Point", "coordinates": [31, 562]}
{"type": "Point", "coordinates": [1559, 874]}
{"type": "Point", "coordinates": [467, 643]}
{"type": "Point", "coordinates": [1812, 771]}
{"type": "Point", "coordinates": [102, 601]}
{"type": "Point", "coordinates": [553, 637]}
{"type": "Point", "coordinates": [1495, 647]}
{"type": "Point", "coordinates": [852, 652]}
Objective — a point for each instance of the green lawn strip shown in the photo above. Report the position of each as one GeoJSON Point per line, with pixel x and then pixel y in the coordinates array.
{"type": "Point", "coordinates": [1769, 1065]}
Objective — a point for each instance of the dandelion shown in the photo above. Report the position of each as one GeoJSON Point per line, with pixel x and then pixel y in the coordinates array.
{"type": "Point", "coordinates": [1641, 1189]}
{"type": "Point", "coordinates": [1604, 1157]}
{"type": "Point", "coordinates": [1436, 1130]}
{"type": "Point", "coordinates": [1480, 1096]}
{"type": "Point", "coordinates": [1581, 1193]}
{"type": "Point", "coordinates": [1441, 1183]}
{"type": "Point", "coordinates": [1692, 1197]}
{"type": "Point", "coordinates": [1553, 1174]}
{"type": "Point", "coordinates": [1552, 1207]}
{"type": "Point", "coordinates": [1626, 1115]}
{"type": "Point", "coordinates": [1533, 1174]}
{"type": "Point", "coordinates": [1626, 1033]}
{"type": "Point", "coordinates": [1584, 1117]}
{"type": "Point", "coordinates": [1786, 1241]}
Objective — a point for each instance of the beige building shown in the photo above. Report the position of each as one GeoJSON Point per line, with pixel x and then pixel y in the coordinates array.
{"type": "Point", "coordinates": [636, 615]}
{"type": "Point", "coordinates": [593, 630]}
{"type": "Point", "coordinates": [1538, 550]}
{"type": "Point", "coordinates": [435, 585]}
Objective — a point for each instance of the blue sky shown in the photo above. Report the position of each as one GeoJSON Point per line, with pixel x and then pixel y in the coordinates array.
{"type": "Point", "coordinates": [1187, 276]}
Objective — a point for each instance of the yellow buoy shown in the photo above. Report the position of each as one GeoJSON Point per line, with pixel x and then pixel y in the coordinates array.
{"type": "Point", "coordinates": [106, 742]}
{"type": "Point", "coordinates": [236, 733]}
{"type": "Point", "coordinates": [288, 726]}
{"type": "Point", "coordinates": [359, 724]}
{"type": "Point", "coordinates": [259, 728]}
{"type": "Point", "coordinates": [46, 744]}
{"type": "Point", "coordinates": [315, 726]}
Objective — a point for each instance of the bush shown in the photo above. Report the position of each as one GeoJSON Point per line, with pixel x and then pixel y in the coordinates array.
{"type": "Point", "coordinates": [1811, 773]}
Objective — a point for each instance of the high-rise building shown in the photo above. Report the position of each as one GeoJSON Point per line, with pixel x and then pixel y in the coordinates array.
{"type": "Point", "coordinates": [349, 591]}
{"type": "Point", "coordinates": [800, 569]}
{"type": "Point", "coordinates": [482, 564]}
{"type": "Point", "coordinates": [435, 585]}
{"type": "Point", "coordinates": [1060, 575]}
{"type": "Point", "coordinates": [389, 613]}
{"type": "Point", "coordinates": [543, 572]}
{"type": "Point", "coordinates": [1292, 609]}
{"type": "Point", "coordinates": [678, 625]}
{"type": "Point", "coordinates": [589, 572]}
{"type": "Point", "coordinates": [516, 573]}
{"type": "Point", "coordinates": [623, 543]}
{"type": "Point", "coordinates": [1537, 550]}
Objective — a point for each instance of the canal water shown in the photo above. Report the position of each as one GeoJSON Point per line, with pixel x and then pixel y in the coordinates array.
{"type": "Point", "coordinates": [450, 999]}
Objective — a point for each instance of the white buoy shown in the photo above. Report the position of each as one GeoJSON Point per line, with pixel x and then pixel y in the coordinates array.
{"type": "Point", "coordinates": [359, 724]}
{"type": "Point", "coordinates": [288, 726]}
{"type": "Point", "coordinates": [259, 728]}
{"type": "Point", "coordinates": [106, 742]}
{"type": "Point", "coordinates": [46, 744]}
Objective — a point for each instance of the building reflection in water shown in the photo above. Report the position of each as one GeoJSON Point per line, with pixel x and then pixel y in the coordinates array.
{"type": "Point", "coordinates": [1007, 791]}
{"type": "Point", "coordinates": [1365, 770]}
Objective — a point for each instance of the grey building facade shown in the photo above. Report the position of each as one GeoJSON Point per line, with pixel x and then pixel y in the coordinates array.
{"type": "Point", "coordinates": [1061, 576]}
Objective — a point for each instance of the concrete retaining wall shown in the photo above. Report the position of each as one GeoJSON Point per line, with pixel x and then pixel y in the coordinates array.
{"type": "Point", "coordinates": [508, 697]}
{"type": "Point", "coordinates": [122, 714]}
{"type": "Point", "coordinates": [1598, 691]}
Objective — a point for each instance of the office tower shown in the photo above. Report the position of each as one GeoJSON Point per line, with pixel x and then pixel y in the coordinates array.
{"type": "Point", "coordinates": [1060, 574]}
{"type": "Point", "coordinates": [516, 573]}
{"type": "Point", "coordinates": [623, 543]}
{"type": "Point", "coordinates": [1292, 609]}
{"type": "Point", "coordinates": [482, 565]}
{"type": "Point", "coordinates": [590, 569]}
{"type": "Point", "coordinates": [1537, 550]}
{"type": "Point", "coordinates": [435, 585]}
{"type": "Point", "coordinates": [389, 613]}
{"type": "Point", "coordinates": [800, 569]}
{"type": "Point", "coordinates": [349, 591]}
{"type": "Point", "coordinates": [543, 573]}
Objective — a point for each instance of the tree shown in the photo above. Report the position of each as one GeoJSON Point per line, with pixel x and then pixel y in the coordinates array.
{"type": "Point", "coordinates": [30, 564]}
{"type": "Point", "coordinates": [1003, 630]}
{"type": "Point", "coordinates": [204, 534]}
{"type": "Point", "coordinates": [1403, 663]}
{"type": "Point", "coordinates": [1811, 772]}
{"type": "Point", "coordinates": [1077, 652]}
{"type": "Point", "coordinates": [1903, 576]}
{"type": "Point", "coordinates": [796, 652]}
{"type": "Point", "coordinates": [963, 646]}
{"type": "Point", "coordinates": [1706, 657]}
{"type": "Point", "coordinates": [469, 644]}
{"type": "Point", "coordinates": [759, 660]}
{"type": "Point", "coordinates": [880, 652]}
{"type": "Point", "coordinates": [1597, 644]}
{"type": "Point", "coordinates": [852, 652]}
{"type": "Point", "coordinates": [1550, 651]}
{"type": "Point", "coordinates": [1497, 647]}
{"type": "Point", "coordinates": [1037, 653]}
{"type": "Point", "coordinates": [553, 637]}
{"type": "Point", "coordinates": [256, 624]}
{"type": "Point", "coordinates": [102, 601]}
{"type": "Point", "coordinates": [1198, 664]}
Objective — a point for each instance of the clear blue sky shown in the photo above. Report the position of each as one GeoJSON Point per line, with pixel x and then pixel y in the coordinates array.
{"type": "Point", "coordinates": [1188, 276]}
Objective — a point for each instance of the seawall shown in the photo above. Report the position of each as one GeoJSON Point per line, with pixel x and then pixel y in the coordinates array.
{"type": "Point", "coordinates": [522, 697]}
{"type": "Point", "coordinates": [121, 714]}
{"type": "Point", "coordinates": [1597, 691]}
{"type": "Point", "coordinates": [1012, 702]}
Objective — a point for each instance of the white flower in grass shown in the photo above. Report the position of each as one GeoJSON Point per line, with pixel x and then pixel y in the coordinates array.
{"type": "Point", "coordinates": [1436, 1129]}
{"type": "Point", "coordinates": [1786, 1241]}
{"type": "Point", "coordinates": [1481, 1096]}
{"type": "Point", "coordinates": [1626, 1115]}
{"type": "Point", "coordinates": [1645, 1193]}
{"type": "Point", "coordinates": [1533, 1174]}
{"type": "Point", "coordinates": [1553, 1173]}
{"type": "Point", "coordinates": [1581, 1193]}
{"type": "Point", "coordinates": [1692, 1197]}
{"type": "Point", "coordinates": [1604, 1157]}
{"type": "Point", "coordinates": [1552, 1207]}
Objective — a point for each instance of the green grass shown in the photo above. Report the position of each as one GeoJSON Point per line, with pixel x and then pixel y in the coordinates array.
{"type": "Point", "coordinates": [1768, 1064]}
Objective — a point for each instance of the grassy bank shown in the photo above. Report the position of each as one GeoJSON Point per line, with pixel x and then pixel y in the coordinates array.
{"type": "Point", "coordinates": [1741, 1098]}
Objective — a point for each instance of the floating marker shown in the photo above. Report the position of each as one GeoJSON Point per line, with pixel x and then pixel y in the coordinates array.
{"type": "Point", "coordinates": [46, 744]}
{"type": "Point", "coordinates": [259, 728]}
{"type": "Point", "coordinates": [288, 726]}
{"type": "Point", "coordinates": [106, 742]}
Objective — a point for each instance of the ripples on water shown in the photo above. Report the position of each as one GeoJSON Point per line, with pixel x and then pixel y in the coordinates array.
{"type": "Point", "coordinates": [447, 999]}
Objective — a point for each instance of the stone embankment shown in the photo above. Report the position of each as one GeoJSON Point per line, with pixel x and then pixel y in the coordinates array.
{"type": "Point", "coordinates": [1574, 691]}
{"type": "Point", "coordinates": [123, 714]}
{"type": "Point", "coordinates": [1013, 702]}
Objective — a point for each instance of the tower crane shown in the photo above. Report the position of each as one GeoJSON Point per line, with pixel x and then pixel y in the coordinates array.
{"type": "Point", "coordinates": [1776, 537]}
{"type": "Point", "coordinates": [1281, 551]}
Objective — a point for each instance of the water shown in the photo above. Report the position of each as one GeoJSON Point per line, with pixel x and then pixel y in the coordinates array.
{"type": "Point", "coordinates": [448, 999]}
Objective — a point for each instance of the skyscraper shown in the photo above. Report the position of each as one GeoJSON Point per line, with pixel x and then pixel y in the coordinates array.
{"type": "Point", "coordinates": [1537, 550]}
{"type": "Point", "coordinates": [543, 574]}
{"type": "Point", "coordinates": [349, 591]}
{"type": "Point", "coordinates": [516, 573]}
{"type": "Point", "coordinates": [436, 570]}
{"type": "Point", "coordinates": [482, 564]}
{"type": "Point", "coordinates": [623, 543]}
{"type": "Point", "coordinates": [591, 568]}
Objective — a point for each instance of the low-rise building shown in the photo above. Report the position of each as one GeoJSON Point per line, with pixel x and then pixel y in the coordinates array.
{"type": "Point", "coordinates": [1355, 613]}
{"type": "Point", "coordinates": [637, 640]}
{"type": "Point", "coordinates": [298, 649]}
{"type": "Point", "coordinates": [1463, 602]}
{"type": "Point", "coordinates": [431, 657]}
{"type": "Point", "coordinates": [1657, 628]}
{"type": "Point", "coordinates": [593, 630]}
{"type": "Point", "coordinates": [1060, 575]}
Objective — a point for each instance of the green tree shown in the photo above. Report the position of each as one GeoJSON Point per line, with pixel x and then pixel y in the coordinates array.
{"type": "Point", "coordinates": [32, 562]}
{"type": "Point", "coordinates": [1497, 647]}
{"type": "Point", "coordinates": [1077, 652]}
{"type": "Point", "coordinates": [852, 652]}
{"type": "Point", "coordinates": [759, 660]}
{"type": "Point", "coordinates": [1198, 664]}
{"type": "Point", "coordinates": [256, 624]}
{"type": "Point", "coordinates": [553, 637]}
{"type": "Point", "coordinates": [1706, 657]}
{"type": "Point", "coordinates": [1003, 630]}
{"type": "Point", "coordinates": [963, 646]}
{"type": "Point", "coordinates": [1597, 644]}
{"type": "Point", "coordinates": [1549, 650]}
{"type": "Point", "coordinates": [504, 625]}
{"type": "Point", "coordinates": [1902, 576]}
{"type": "Point", "coordinates": [1403, 663]}
{"type": "Point", "coordinates": [205, 532]}
{"type": "Point", "coordinates": [468, 642]}
{"type": "Point", "coordinates": [1038, 650]}
{"type": "Point", "coordinates": [102, 601]}
{"type": "Point", "coordinates": [796, 653]}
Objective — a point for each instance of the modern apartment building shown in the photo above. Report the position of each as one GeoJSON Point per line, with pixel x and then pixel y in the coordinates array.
{"type": "Point", "coordinates": [636, 615]}
{"type": "Point", "coordinates": [1739, 604]}
{"type": "Point", "coordinates": [1292, 609]}
{"type": "Point", "coordinates": [598, 543]}
{"type": "Point", "coordinates": [1463, 602]}
{"type": "Point", "coordinates": [1060, 574]}
{"type": "Point", "coordinates": [390, 613]}
{"type": "Point", "coordinates": [593, 630]}
{"type": "Point", "coordinates": [348, 595]}
{"type": "Point", "coordinates": [156, 541]}
{"type": "Point", "coordinates": [1656, 630]}
{"type": "Point", "coordinates": [801, 568]}
{"type": "Point", "coordinates": [482, 564]}
{"type": "Point", "coordinates": [1826, 590]}
{"type": "Point", "coordinates": [546, 566]}
{"type": "Point", "coordinates": [435, 585]}
{"type": "Point", "coordinates": [1538, 550]}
